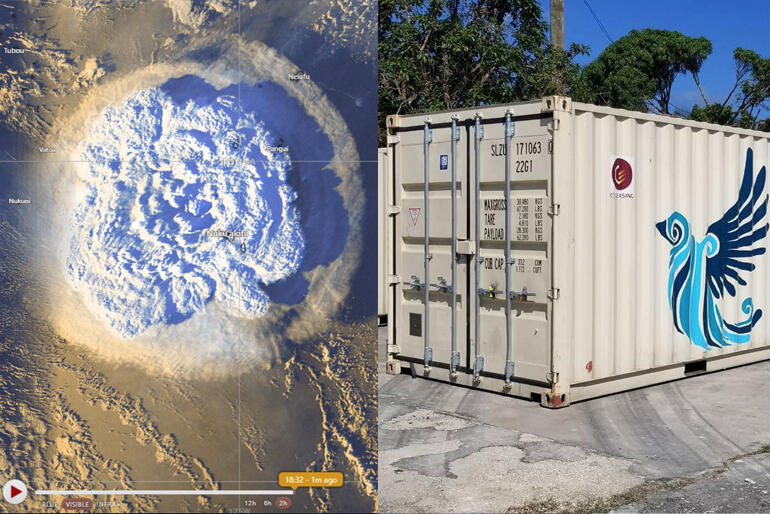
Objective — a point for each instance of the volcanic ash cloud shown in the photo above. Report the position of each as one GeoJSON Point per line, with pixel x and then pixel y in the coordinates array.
{"type": "Point", "coordinates": [184, 203]}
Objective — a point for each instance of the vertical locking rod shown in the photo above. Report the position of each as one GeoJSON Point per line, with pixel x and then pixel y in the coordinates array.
{"type": "Point", "coordinates": [455, 356]}
{"type": "Point", "coordinates": [478, 365]}
{"type": "Point", "coordinates": [426, 333]}
{"type": "Point", "coordinates": [509, 129]}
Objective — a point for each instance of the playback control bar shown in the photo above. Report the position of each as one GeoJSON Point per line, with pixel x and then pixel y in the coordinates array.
{"type": "Point", "coordinates": [166, 492]}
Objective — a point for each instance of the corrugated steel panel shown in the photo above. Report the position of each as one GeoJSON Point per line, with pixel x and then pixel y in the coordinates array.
{"type": "Point", "coordinates": [617, 296]}
{"type": "Point", "coordinates": [590, 238]}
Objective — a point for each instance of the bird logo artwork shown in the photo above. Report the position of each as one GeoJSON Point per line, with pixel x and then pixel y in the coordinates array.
{"type": "Point", "coordinates": [700, 272]}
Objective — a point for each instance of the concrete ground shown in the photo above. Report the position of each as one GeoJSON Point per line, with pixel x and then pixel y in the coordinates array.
{"type": "Point", "coordinates": [696, 445]}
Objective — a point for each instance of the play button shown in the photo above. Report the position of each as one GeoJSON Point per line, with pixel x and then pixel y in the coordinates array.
{"type": "Point", "coordinates": [14, 491]}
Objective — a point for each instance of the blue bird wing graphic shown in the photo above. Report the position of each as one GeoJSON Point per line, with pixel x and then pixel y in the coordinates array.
{"type": "Point", "coordinates": [737, 233]}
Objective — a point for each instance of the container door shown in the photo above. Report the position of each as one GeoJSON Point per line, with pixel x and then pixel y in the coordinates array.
{"type": "Point", "coordinates": [410, 324]}
{"type": "Point", "coordinates": [530, 249]}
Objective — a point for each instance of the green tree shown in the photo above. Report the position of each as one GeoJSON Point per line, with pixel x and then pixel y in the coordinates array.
{"type": "Point", "coordinates": [445, 54]}
{"type": "Point", "coordinates": [748, 98]}
{"type": "Point", "coordinates": [637, 71]}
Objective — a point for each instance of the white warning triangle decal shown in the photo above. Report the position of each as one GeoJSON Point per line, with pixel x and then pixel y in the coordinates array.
{"type": "Point", "coordinates": [414, 212]}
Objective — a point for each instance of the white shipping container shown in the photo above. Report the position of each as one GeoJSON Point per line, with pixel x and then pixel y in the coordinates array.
{"type": "Point", "coordinates": [382, 217]}
{"type": "Point", "coordinates": [637, 248]}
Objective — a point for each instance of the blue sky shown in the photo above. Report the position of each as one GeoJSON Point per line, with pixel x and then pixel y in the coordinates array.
{"type": "Point", "coordinates": [728, 24]}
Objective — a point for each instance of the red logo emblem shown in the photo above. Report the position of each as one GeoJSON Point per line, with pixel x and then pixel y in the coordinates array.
{"type": "Point", "coordinates": [621, 174]}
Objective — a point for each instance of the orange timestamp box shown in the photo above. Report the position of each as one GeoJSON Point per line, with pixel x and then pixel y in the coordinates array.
{"type": "Point", "coordinates": [295, 479]}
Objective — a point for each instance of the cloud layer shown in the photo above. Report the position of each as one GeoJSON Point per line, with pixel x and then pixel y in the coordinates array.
{"type": "Point", "coordinates": [185, 202]}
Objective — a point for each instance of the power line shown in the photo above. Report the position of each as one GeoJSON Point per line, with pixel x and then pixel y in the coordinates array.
{"type": "Point", "coordinates": [609, 38]}
{"type": "Point", "coordinates": [599, 22]}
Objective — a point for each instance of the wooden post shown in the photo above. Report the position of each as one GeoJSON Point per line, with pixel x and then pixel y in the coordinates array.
{"type": "Point", "coordinates": [557, 40]}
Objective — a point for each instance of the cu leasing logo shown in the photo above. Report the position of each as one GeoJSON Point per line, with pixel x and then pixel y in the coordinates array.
{"type": "Point", "coordinates": [700, 272]}
{"type": "Point", "coordinates": [622, 176]}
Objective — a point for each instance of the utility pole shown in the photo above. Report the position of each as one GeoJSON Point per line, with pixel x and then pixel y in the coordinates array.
{"type": "Point", "coordinates": [557, 40]}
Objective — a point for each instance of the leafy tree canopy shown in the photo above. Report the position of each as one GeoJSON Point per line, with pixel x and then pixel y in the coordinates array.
{"type": "Point", "coordinates": [444, 54]}
{"type": "Point", "coordinates": [748, 98]}
{"type": "Point", "coordinates": [637, 71]}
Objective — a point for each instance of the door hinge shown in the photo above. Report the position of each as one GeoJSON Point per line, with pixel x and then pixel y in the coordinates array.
{"type": "Point", "coordinates": [554, 209]}
{"type": "Point", "coordinates": [394, 279]}
{"type": "Point", "coordinates": [552, 377]}
{"type": "Point", "coordinates": [554, 125]}
{"type": "Point", "coordinates": [465, 248]}
{"type": "Point", "coordinates": [394, 209]}
{"type": "Point", "coordinates": [510, 125]}
{"type": "Point", "coordinates": [553, 293]}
